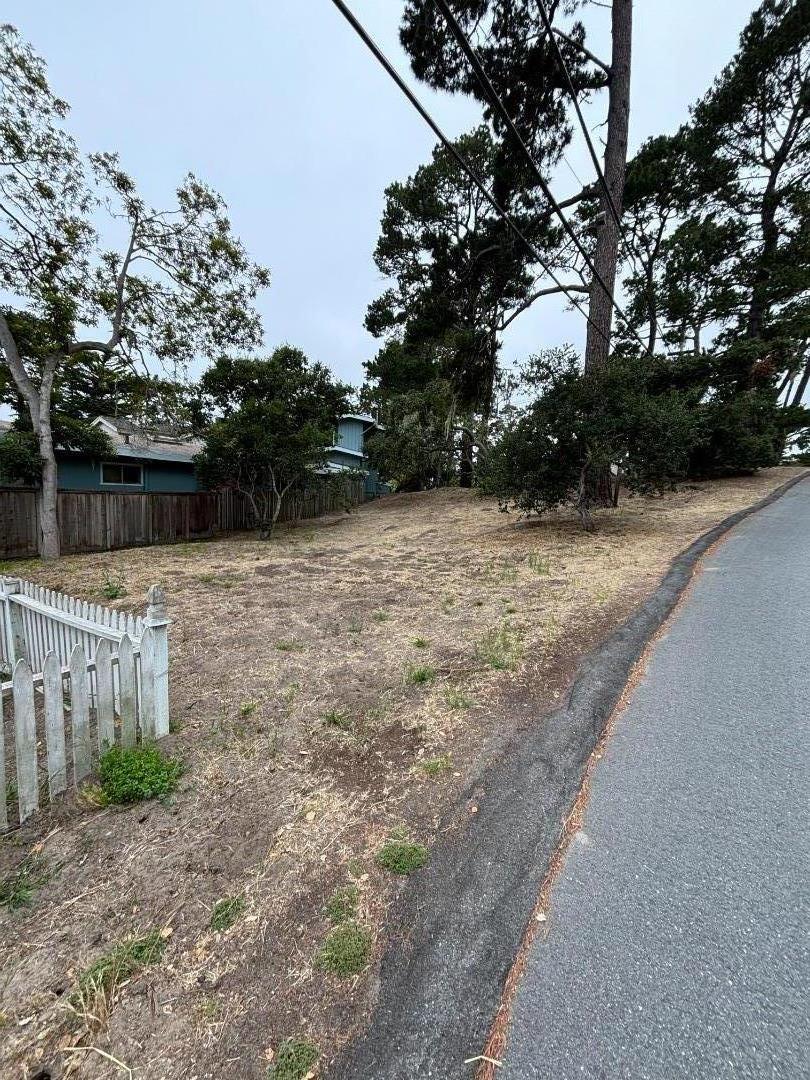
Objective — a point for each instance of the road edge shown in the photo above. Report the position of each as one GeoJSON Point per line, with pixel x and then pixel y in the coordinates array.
{"type": "Point", "coordinates": [458, 925]}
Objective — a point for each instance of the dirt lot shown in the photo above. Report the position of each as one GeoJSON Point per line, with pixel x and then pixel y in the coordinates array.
{"type": "Point", "coordinates": [329, 688]}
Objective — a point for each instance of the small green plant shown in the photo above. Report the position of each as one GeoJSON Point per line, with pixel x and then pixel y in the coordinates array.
{"type": "Point", "coordinates": [289, 646]}
{"type": "Point", "coordinates": [538, 564]}
{"type": "Point", "coordinates": [342, 904]}
{"type": "Point", "coordinates": [420, 642]}
{"type": "Point", "coordinates": [226, 912]}
{"type": "Point", "coordinates": [134, 773]}
{"type": "Point", "coordinates": [500, 649]}
{"type": "Point", "coordinates": [289, 692]}
{"type": "Point", "coordinates": [355, 625]}
{"type": "Point", "coordinates": [380, 616]}
{"type": "Point", "coordinates": [247, 708]}
{"type": "Point", "coordinates": [337, 718]}
{"type": "Point", "coordinates": [101, 979]}
{"type": "Point", "coordinates": [293, 1061]}
{"type": "Point", "coordinates": [455, 698]}
{"type": "Point", "coordinates": [345, 951]}
{"type": "Point", "coordinates": [18, 887]}
{"type": "Point", "coordinates": [113, 587]}
{"type": "Point", "coordinates": [402, 856]}
{"type": "Point", "coordinates": [419, 674]}
{"type": "Point", "coordinates": [435, 766]}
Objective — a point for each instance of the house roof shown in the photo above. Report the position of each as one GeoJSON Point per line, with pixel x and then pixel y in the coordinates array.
{"type": "Point", "coordinates": [153, 452]}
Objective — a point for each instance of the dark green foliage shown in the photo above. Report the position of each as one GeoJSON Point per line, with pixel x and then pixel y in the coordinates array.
{"type": "Point", "coordinates": [346, 950]}
{"type": "Point", "coordinates": [226, 912]}
{"type": "Point", "coordinates": [20, 462]}
{"type": "Point", "coordinates": [342, 905]}
{"type": "Point", "coordinates": [293, 1061]}
{"type": "Point", "coordinates": [402, 856]}
{"type": "Point", "coordinates": [627, 415]}
{"type": "Point", "coordinates": [140, 772]}
{"type": "Point", "coordinates": [267, 424]}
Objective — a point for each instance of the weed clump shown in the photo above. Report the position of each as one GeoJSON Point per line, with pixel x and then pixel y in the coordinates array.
{"type": "Point", "coordinates": [454, 698]}
{"type": "Point", "coordinates": [226, 912]}
{"type": "Point", "coordinates": [293, 1061]}
{"type": "Point", "coordinates": [18, 887]}
{"type": "Point", "coordinates": [337, 718]}
{"type": "Point", "coordinates": [345, 951]}
{"type": "Point", "coordinates": [101, 979]}
{"type": "Point", "coordinates": [135, 773]}
{"type": "Point", "coordinates": [402, 856]}
{"type": "Point", "coordinates": [419, 674]}
{"type": "Point", "coordinates": [435, 766]}
{"type": "Point", "coordinates": [113, 587]}
{"type": "Point", "coordinates": [500, 649]}
{"type": "Point", "coordinates": [342, 904]}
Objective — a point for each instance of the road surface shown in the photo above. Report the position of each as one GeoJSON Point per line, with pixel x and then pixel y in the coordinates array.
{"type": "Point", "coordinates": [677, 940]}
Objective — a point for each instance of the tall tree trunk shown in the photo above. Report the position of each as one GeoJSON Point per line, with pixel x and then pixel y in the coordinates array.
{"type": "Point", "coordinates": [599, 487]}
{"type": "Point", "coordinates": [803, 384]}
{"type": "Point", "coordinates": [597, 349]}
{"type": "Point", "coordinates": [49, 546]}
{"type": "Point", "coordinates": [465, 471]}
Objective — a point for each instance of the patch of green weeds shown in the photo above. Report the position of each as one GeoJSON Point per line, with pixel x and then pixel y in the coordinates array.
{"type": "Point", "coordinates": [222, 580]}
{"type": "Point", "coordinates": [289, 692]}
{"type": "Point", "coordinates": [122, 962]}
{"type": "Point", "coordinates": [226, 912]}
{"type": "Point", "coordinates": [419, 674]}
{"type": "Point", "coordinates": [337, 718]}
{"type": "Point", "coordinates": [500, 649]}
{"type": "Point", "coordinates": [455, 698]}
{"type": "Point", "coordinates": [113, 587]}
{"type": "Point", "coordinates": [402, 856]}
{"type": "Point", "coordinates": [355, 625]}
{"type": "Point", "coordinates": [345, 951]}
{"type": "Point", "coordinates": [288, 645]}
{"type": "Point", "coordinates": [342, 904]}
{"type": "Point", "coordinates": [420, 642]}
{"type": "Point", "coordinates": [18, 887]}
{"type": "Point", "coordinates": [247, 708]}
{"type": "Point", "coordinates": [538, 564]}
{"type": "Point", "coordinates": [293, 1061]}
{"type": "Point", "coordinates": [135, 773]}
{"type": "Point", "coordinates": [380, 616]}
{"type": "Point", "coordinates": [435, 766]}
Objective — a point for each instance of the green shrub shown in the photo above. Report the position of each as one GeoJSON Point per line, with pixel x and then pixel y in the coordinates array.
{"type": "Point", "coordinates": [139, 772]}
{"type": "Point", "coordinates": [402, 856]}
{"type": "Point", "coordinates": [226, 912]}
{"type": "Point", "coordinates": [345, 951]}
{"type": "Point", "coordinates": [293, 1061]}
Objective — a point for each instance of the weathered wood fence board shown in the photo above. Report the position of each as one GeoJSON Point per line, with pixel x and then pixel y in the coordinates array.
{"type": "Point", "coordinates": [107, 665]}
{"type": "Point", "coordinates": [106, 520]}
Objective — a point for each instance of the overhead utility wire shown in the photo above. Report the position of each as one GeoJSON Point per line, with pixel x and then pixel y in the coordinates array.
{"type": "Point", "coordinates": [498, 105]}
{"type": "Point", "coordinates": [468, 169]}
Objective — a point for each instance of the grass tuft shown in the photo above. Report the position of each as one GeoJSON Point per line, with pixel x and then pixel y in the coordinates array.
{"type": "Point", "coordinates": [137, 773]}
{"type": "Point", "coordinates": [345, 951]}
{"type": "Point", "coordinates": [380, 616]}
{"type": "Point", "coordinates": [293, 1061]}
{"type": "Point", "coordinates": [455, 698]}
{"type": "Point", "coordinates": [500, 649]}
{"type": "Point", "coordinates": [98, 983]}
{"type": "Point", "coordinates": [435, 766]}
{"type": "Point", "coordinates": [226, 912]}
{"type": "Point", "coordinates": [419, 674]}
{"type": "Point", "coordinates": [538, 564]}
{"type": "Point", "coordinates": [402, 856]}
{"type": "Point", "coordinates": [18, 887]}
{"type": "Point", "coordinates": [337, 718]}
{"type": "Point", "coordinates": [289, 646]}
{"type": "Point", "coordinates": [342, 904]}
{"type": "Point", "coordinates": [420, 642]}
{"type": "Point", "coordinates": [248, 707]}
{"type": "Point", "coordinates": [113, 587]}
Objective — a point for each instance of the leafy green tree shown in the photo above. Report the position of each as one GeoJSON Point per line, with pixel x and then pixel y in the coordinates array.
{"type": "Point", "coordinates": [626, 416]}
{"type": "Point", "coordinates": [416, 446]}
{"type": "Point", "coordinates": [181, 286]}
{"type": "Point", "coordinates": [268, 425]}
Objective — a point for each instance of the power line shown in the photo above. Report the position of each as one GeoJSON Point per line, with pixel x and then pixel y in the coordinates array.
{"type": "Point", "coordinates": [498, 105]}
{"type": "Point", "coordinates": [369, 42]}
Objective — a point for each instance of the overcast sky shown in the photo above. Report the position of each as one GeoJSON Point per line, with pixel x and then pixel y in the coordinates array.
{"type": "Point", "coordinates": [279, 106]}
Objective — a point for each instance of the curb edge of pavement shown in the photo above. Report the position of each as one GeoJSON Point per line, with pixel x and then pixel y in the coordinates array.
{"type": "Point", "coordinates": [457, 926]}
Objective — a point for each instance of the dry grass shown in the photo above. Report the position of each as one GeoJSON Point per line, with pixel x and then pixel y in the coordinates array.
{"type": "Point", "coordinates": [281, 805]}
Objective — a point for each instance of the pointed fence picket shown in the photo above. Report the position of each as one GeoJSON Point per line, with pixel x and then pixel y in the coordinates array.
{"type": "Point", "coordinates": [75, 667]}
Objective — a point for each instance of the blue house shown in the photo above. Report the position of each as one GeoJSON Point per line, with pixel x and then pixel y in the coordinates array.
{"type": "Point", "coordinates": [160, 459]}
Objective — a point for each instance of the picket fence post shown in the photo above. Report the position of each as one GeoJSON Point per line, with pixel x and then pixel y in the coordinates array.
{"type": "Point", "coordinates": [158, 650]}
{"type": "Point", "coordinates": [13, 622]}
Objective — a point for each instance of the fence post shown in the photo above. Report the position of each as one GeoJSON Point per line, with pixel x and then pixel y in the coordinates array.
{"type": "Point", "coordinates": [157, 621]}
{"type": "Point", "coordinates": [12, 622]}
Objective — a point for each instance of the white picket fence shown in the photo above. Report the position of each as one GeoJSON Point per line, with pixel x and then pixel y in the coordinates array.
{"type": "Point", "coordinates": [98, 675]}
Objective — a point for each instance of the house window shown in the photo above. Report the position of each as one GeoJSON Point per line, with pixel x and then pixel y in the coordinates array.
{"type": "Point", "coordinates": [113, 472]}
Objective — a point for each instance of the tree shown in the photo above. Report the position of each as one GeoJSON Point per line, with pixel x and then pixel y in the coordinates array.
{"type": "Point", "coordinates": [181, 285]}
{"type": "Point", "coordinates": [626, 415]}
{"type": "Point", "coordinates": [416, 445]}
{"type": "Point", "coordinates": [268, 425]}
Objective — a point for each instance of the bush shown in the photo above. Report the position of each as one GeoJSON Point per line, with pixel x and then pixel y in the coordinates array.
{"type": "Point", "coordinates": [137, 773]}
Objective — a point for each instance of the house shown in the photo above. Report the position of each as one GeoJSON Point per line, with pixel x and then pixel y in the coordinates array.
{"type": "Point", "coordinates": [161, 459]}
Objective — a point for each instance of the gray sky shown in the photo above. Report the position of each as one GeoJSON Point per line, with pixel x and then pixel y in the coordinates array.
{"type": "Point", "coordinates": [279, 106]}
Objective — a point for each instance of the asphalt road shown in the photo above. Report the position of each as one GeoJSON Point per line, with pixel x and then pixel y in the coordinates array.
{"type": "Point", "coordinates": [677, 940]}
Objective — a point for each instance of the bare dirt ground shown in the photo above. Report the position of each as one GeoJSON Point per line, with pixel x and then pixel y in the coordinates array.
{"type": "Point", "coordinates": [329, 688]}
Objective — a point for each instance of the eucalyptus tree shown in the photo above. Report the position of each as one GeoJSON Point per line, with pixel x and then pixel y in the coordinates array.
{"type": "Point", "coordinates": [179, 285]}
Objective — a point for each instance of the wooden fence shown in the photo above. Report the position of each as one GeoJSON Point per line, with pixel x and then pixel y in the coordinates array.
{"type": "Point", "coordinates": [105, 520]}
{"type": "Point", "coordinates": [81, 673]}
